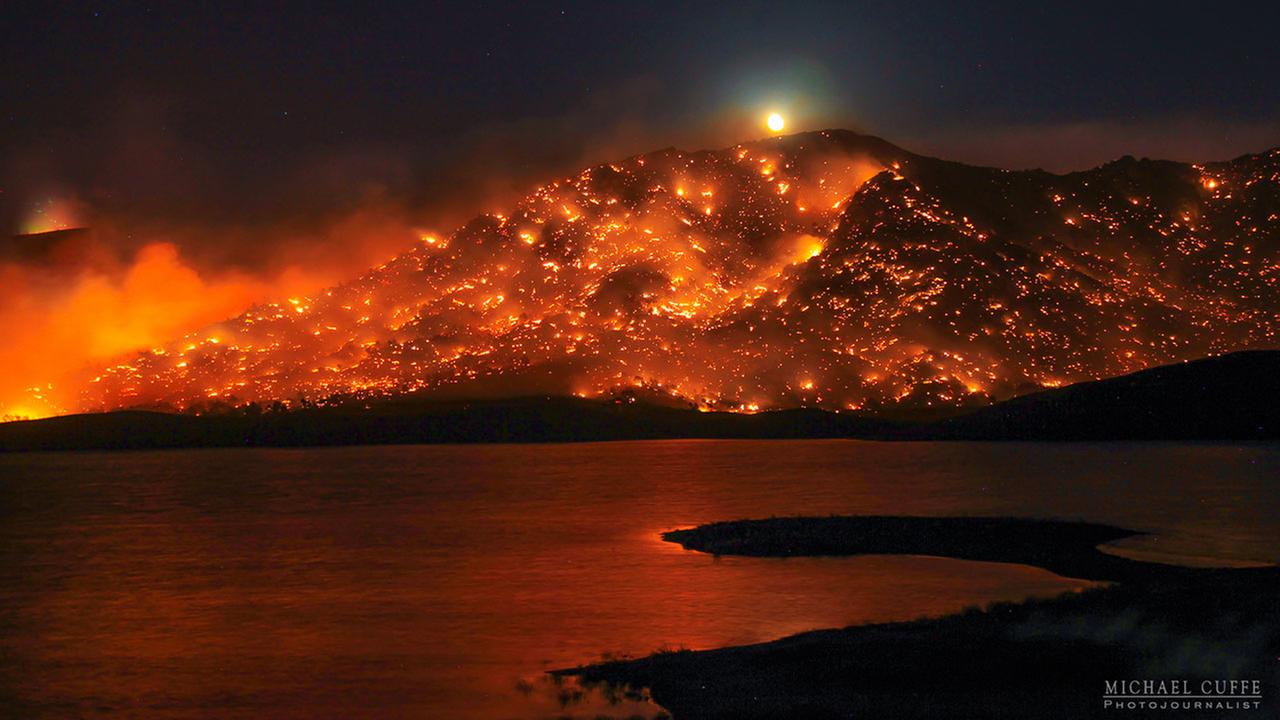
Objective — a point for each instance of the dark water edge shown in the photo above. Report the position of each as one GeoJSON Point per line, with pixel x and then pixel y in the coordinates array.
{"type": "Point", "coordinates": [1047, 658]}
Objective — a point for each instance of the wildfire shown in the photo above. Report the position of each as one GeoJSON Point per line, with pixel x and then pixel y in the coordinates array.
{"type": "Point", "coordinates": [736, 280]}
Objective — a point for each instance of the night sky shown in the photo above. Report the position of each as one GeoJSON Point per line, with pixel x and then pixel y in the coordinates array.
{"type": "Point", "coordinates": [236, 117]}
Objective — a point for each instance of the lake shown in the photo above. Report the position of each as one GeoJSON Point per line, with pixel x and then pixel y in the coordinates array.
{"type": "Point", "coordinates": [442, 581]}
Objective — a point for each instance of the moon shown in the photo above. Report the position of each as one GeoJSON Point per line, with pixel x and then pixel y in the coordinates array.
{"type": "Point", "coordinates": [775, 122]}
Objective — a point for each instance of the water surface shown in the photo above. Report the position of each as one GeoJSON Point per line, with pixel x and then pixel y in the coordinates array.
{"type": "Point", "coordinates": [440, 581]}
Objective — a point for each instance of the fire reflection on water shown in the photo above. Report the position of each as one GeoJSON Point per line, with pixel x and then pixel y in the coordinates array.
{"type": "Point", "coordinates": [444, 581]}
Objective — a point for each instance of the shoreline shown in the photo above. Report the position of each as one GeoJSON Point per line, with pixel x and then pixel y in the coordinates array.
{"type": "Point", "coordinates": [1029, 659]}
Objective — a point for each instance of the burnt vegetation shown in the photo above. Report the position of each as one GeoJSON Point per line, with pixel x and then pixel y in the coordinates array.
{"type": "Point", "coordinates": [828, 270]}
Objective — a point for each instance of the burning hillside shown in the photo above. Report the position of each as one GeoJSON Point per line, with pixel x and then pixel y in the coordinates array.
{"type": "Point", "coordinates": [824, 269]}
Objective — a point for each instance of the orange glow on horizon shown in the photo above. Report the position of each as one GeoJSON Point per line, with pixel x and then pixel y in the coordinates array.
{"type": "Point", "coordinates": [53, 214]}
{"type": "Point", "coordinates": [764, 276]}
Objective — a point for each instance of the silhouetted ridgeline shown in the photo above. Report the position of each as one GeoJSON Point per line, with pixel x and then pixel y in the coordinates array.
{"type": "Point", "coordinates": [1232, 397]}
{"type": "Point", "coordinates": [521, 420]}
{"type": "Point", "coordinates": [959, 285]}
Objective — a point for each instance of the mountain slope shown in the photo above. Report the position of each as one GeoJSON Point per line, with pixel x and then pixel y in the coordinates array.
{"type": "Point", "coordinates": [1232, 397]}
{"type": "Point", "coordinates": [824, 269]}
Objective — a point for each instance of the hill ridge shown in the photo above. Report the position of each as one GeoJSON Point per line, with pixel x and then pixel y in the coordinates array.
{"type": "Point", "coordinates": [830, 269]}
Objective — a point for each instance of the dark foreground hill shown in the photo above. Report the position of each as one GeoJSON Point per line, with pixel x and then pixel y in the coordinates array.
{"type": "Point", "coordinates": [519, 420]}
{"type": "Point", "coordinates": [1232, 397]}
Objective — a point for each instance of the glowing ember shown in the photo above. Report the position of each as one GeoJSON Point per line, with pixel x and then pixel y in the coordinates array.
{"type": "Point", "coordinates": [825, 269]}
